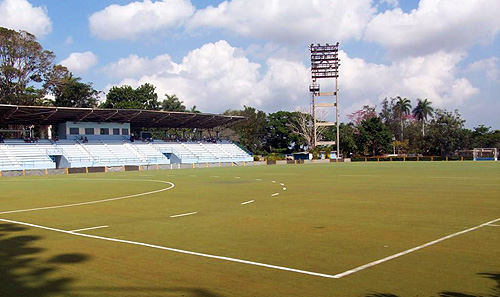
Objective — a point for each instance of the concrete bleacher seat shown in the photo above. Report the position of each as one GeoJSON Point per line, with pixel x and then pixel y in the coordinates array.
{"type": "Point", "coordinates": [200, 152]}
{"type": "Point", "coordinates": [149, 153]}
{"type": "Point", "coordinates": [111, 153]}
{"type": "Point", "coordinates": [17, 155]}
{"type": "Point", "coordinates": [75, 154]}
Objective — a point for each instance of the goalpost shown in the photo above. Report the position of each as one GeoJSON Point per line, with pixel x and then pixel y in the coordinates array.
{"type": "Point", "coordinates": [485, 154]}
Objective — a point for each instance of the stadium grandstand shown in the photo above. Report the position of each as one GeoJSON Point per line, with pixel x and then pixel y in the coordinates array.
{"type": "Point", "coordinates": [92, 137]}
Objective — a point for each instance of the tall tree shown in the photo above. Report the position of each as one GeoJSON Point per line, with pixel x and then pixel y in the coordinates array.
{"type": "Point", "coordinates": [280, 136]}
{"type": "Point", "coordinates": [402, 108]}
{"type": "Point", "coordinates": [143, 97]}
{"type": "Point", "coordinates": [446, 133]}
{"type": "Point", "coordinates": [251, 132]}
{"type": "Point", "coordinates": [388, 116]}
{"type": "Point", "coordinates": [363, 114]}
{"type": "Point", "coordinates": [24, 65]}
{"type": "Point", "coordinates": [172, 103]}
{"type": "Point", "coordinates": [302, 125]}
{"type": "Point", "coordinates": [422, 111]}
{"type": "Point", "coordinates": [374, 137]}
{"type": "Point", "coordinates": [347, 139]}
{"type": "Point", "coordinates": [70, 92]}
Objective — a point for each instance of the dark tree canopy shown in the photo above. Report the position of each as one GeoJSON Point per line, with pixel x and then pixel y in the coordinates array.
{"type": "Point", "coordinates": [25, 68]}
{"type": "Point", "coordinates": [70, 92]}
{"type": "Point", "coordinates": [281, 137]}
{"type": "Point", "coordinates": [252, 131]}
{"type": "Point", "coordinates": [126, 97]}
{"type": "Point", "coordinates": [172, 103]}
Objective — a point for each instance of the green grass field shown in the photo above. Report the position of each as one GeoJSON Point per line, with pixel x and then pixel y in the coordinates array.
{"type": "Point", "coordinates": [300, 227]}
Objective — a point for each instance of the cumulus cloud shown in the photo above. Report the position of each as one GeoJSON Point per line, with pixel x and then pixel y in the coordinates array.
{"type": "Point", "coordinates": [134, 66]}
{"type": "Point", "coordinates": [436, 25]}
{"type": "Point", "coordinates": [217, 76]}
{"type": "Point", "coordinates": [132, 20]}
{"type": "Point", "coordinates": [490, 66]}
{"type": "Point", "coordinates": [21, 15]}
{"type": "Point", "coordinates": [435, 77]}
{"type": "Point", "coordinates": [80, 62]}
{"type": "Point", "coordinates": [289, 21]}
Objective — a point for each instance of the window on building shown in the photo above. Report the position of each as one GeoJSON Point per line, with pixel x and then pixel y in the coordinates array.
{"type": "Point", "coordinates": [116, 131]}
{"type": "Point", "coordinates": [104, 131]}
{"type": "Point", "coordinates": [124, 131]}
{"type": "Point", "coordinates": [89, 131]}
{"type": "Point", "coordinates": [74, 131]}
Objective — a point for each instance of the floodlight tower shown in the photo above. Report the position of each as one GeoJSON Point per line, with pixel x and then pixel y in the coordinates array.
{"type": "Point", "coordinates": [324, 64]}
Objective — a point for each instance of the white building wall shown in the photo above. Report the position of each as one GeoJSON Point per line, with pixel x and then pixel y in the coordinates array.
{"type": "Point", "coordinates": [94, 131]}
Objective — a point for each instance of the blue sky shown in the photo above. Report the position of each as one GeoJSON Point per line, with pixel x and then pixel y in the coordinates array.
{"type": "Point", "coordinates": [225, 54]}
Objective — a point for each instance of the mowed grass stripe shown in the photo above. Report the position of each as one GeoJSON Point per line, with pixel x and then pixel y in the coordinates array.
{"type": "Point", "coordinates": [321, 224]}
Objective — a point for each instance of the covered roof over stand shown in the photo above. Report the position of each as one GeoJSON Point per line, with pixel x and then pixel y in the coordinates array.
{"type": "Point", "coordinates": [49, 115]}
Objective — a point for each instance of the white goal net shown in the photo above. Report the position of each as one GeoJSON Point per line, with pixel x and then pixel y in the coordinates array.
{"type": "Point", "coordinates": [485, 154]}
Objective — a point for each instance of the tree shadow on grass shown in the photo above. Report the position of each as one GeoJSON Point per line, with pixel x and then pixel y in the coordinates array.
{"type": "Point", "coordinates": [494, 292]}
{"type": "Point", "coordinates": [154, 291]}
{"type": "Point", "coordinates": [23, 273]}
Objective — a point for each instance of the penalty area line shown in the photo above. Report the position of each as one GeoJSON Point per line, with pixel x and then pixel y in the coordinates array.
{"type": "Point", "coordinates": [357, 269]}
{"type": "Point", "coordinates": [173, 249]}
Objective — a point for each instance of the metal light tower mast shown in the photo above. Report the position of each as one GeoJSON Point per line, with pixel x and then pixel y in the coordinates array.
{"type": "Point", "coordinates": [324, 64]}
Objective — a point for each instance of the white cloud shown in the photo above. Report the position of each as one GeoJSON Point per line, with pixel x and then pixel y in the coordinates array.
{"type": "Point", "coordinates": [434, 77]}
{"type": "Point", "coordinates": [137, 18]}
{"type": "Point", "coordinates": [436, 25]}
{"type": "Point", "coordinates": [21, 15]}
{"type": "Point", "coordinates": [298, 21]}
{"type": "Point", "coordinates": [80, 62]}
{"type": "Point", "coordinates": [490, 66]}
{"type": "Point", "coordinates": [218, 76]}
{"type": "Point", "coordinates": [134, 66]}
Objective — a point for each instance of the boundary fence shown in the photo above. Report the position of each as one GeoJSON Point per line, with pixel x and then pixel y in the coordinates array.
{"type": "Point", "coordinates": [79, 170]}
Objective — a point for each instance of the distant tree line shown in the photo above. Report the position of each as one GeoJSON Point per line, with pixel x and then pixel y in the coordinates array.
{"type": "Point", "coordinates": [28, 74]}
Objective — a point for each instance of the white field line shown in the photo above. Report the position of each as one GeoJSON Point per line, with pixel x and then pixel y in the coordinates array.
{"type": "Point", "coordinates": [173, 249]}
{"type": "Point", "coordinates": [90, 228]}
{"type": "Point", "coordinates": [184, 214]}
{"type": "Point", "coordinates": [275, 194]}
{"type": "Point", "coordinates": [243, 203]}
{"type": "Point", "coordinates": [492, 225]}
{"type": "Point", "coordinates": [357, 269]}
{"type": "Point", "coordinates": [258, 179]}
{"type": "Point", "coordinates": [98, 201]}
{"type": "Point", "coordinates": [455, 177]}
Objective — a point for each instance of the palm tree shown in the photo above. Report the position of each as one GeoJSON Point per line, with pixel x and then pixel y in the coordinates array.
{"type": "Point", "coordinates": [421, 111]}
{"type": "Point", "coordinates": [402, 108]}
